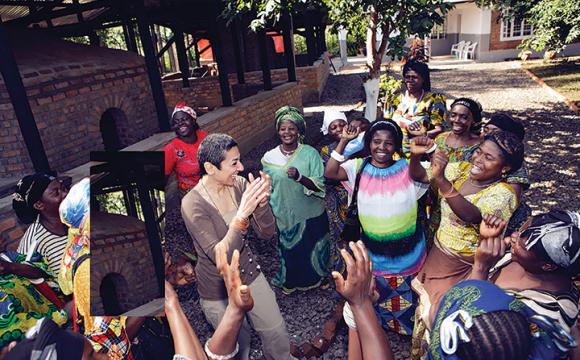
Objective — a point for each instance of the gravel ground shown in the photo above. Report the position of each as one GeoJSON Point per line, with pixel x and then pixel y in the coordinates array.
{"type": "Point", "coordinates": [551, 127]}
{"type": "Point", "coordinates": [551, 154]}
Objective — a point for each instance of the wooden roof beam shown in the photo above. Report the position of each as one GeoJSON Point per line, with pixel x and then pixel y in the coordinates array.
{"type": "Point", "coordinates": [53, 14]}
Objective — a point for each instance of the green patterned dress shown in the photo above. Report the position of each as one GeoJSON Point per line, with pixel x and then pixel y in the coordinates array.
{"type": "Point", "coordinates": [21, 301]}
{"type": "Point", "coordinates": [301, 218]}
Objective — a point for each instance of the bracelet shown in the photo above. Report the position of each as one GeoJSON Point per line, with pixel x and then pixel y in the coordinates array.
{"type": "Point", "coordinates": [455, 194]}
{"type": "Point", "coordinates": [348, 316]}
{"type": "Point", "coordinates": [180, 357]}
{"type": "Point", "coordinates": [299, 178]}
{"type": "Point", "coordinates": [338, 157]}
{"type": "Point", "coordinates": [240, 223]}
{"type": "Point", "coordinates": [445, 195]}
{"type": "Point", "coordinates": [221, 357]}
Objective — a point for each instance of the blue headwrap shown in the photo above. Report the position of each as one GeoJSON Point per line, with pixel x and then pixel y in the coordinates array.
{"type": "Point", "coordinates": [471, 298]}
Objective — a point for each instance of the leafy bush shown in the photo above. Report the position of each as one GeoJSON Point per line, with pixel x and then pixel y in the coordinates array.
{"type": "Point", "coordinates": [389, 87]}
{"type": "Point", "coordinates": [300, 44]}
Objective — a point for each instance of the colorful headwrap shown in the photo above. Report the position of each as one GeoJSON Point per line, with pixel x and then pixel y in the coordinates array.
{"type": "Point", "coordinates": [470, 299]}
{"type": "Point", "coordinates": [74, 212]}
{"type": "Point", "coordinates": [475, 109]}
{"type": "Point", "coordinates": [289, 113]}
{"type": "Point", "coordinates": [509, 124]}
{"type": "Point", "coordinates": [555, 236]}
{"type": "Point", "coordinates": [180, 106]}
{"type": "Point", "coordinates": [107, 334]}
{"type": "Point", "coordinates": [510, 146]}
{"type": "Point", "coordinates": [47, 341]}
{"type": "Point", "coordinates": [28, 191]}
{"type": "Point", "coordinates": [329, 117]}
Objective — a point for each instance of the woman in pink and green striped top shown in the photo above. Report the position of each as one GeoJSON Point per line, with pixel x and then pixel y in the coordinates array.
{"type": "Point", "coordinates": [387, 208]}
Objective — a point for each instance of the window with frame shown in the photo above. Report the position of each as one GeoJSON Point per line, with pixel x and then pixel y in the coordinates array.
{"type": "Point", "coordinates": [515, 29]}
{"type": "Point", "coordinates": [439, 31]}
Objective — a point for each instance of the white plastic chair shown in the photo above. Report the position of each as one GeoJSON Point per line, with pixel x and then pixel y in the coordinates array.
{"type": "Point", "coordinates": [457, 48]}
{"type": "Point", "coordinates": [469, 50]}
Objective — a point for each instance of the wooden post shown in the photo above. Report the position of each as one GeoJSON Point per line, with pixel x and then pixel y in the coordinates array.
{"type": "Point", "coordinates": [94, 39]}
{"type": "Point", "coordinates": [196, 51]}
{"type": "Point", "coordinates": [181, 56]}
{"type": "Point", "coordinates": [237, 53]}
{"type": "Point", "coordinates": [216, 48]}
{"type": "Point", "coordinates": [262, 46]}
{"type": "Point", "coordinates": [152, 230]}
{"type": "Point", "coordinates": [288, 35]}
{"type": "Point", "coordinates": [19, 99]}
{"type": "Point", "coordinates": [129, 33]}
{"type": "Point", "coordinates": [310, 38]}
{"type": "Point", "coordinates": [153, 72]}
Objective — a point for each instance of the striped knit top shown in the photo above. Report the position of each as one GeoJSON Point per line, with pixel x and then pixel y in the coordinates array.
{"type": "Point", "coordinates": [50, 246]}
{"type": "Point", "coordinates": [387, 206]}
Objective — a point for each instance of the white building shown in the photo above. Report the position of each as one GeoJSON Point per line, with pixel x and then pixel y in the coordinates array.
{"type": "Point", "coordinates": [496, 40]}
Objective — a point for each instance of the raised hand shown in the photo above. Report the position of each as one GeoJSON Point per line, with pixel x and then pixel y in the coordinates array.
{"type": "Point", "coordinates": [357, 288]}
{"type": "Point", "coordinates": [239, 295]}
{"type": "Point", "coordinates": [293, 173]}
{"type": "Point", "coordinates": [491, 226]}
{"type": "Point", "coordinates": [491, 245]}
{"type": "Point", "coordinates": [421, 144]}
{"type": "Point", "coordinates": [256, 192]}
{"type": "Point", "coordinates": [181, 273]}
{"type": "Point", "coordinates": [349, 132]}
{"type": "Point", "coordinates": [439, 162]}
{"type": "Point", "coordinates": [268, 185]}
{"type": "Point", "coordinates": [417, 129]}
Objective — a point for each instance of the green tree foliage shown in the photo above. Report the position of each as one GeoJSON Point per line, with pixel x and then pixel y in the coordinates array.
{"type": "Point", "coordinates": [556, 22]}
{"type": "Point", "coordinates": [398, 19]}
{"type": "Point", "coordinates": [556, 25]}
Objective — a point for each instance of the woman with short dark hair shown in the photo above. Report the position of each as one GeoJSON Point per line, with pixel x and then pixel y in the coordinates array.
{"type": "Point", "coordinates": [218, 213]}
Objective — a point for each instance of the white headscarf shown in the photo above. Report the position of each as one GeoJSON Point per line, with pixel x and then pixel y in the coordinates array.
{"type": "Point", "coordinates": [329, 117]}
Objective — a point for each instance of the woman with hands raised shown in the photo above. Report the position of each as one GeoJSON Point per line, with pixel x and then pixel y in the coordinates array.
{"type": "Point", "coordinates": [468, 190]}
{"type": "Point", "coordinates": [218, 213]}
{"type": "Point", "coordinates": [387, 201]}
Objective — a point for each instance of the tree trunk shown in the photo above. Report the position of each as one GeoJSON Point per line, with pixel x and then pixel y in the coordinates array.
{"type": "Point", "coordinates": [375, 53]}
{"type": "Point", "coordinates": [371, 84]}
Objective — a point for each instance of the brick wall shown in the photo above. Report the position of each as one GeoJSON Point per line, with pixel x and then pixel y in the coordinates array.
{"type": "Point", "coordinates": [206, 91]}
{"type": "Point", "coordinates": [120, 247]}
{"type": "Point", "coordinates": [200, 93]}
{"type": "Point", "coordinates": [251, 121]}
{"type": "Point", "coordinates": [494, 39]}
{"type": "Point", "coordinates": [11, 230]}
{"type": "Point", "coordinates": [69, 87]}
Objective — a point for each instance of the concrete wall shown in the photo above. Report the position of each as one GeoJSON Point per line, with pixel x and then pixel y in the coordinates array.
{"type": "Point", "coordinates": [466, 22]}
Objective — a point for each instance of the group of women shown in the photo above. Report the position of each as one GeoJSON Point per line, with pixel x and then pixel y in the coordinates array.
{"type": "Point", "coordinates": [420, 194]}
{"type": "Point", "coordinates": [427, 256]}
